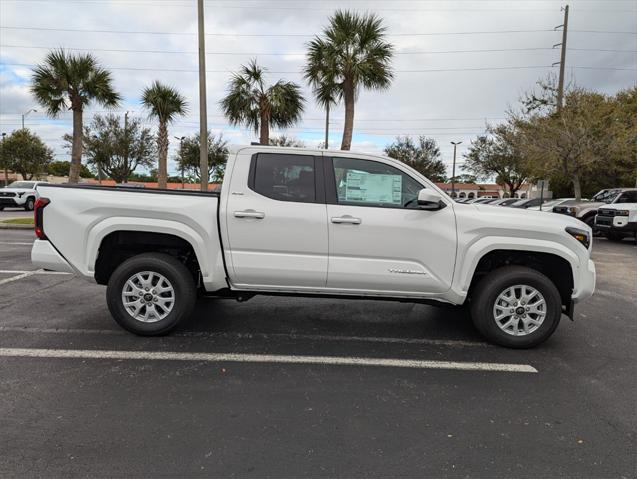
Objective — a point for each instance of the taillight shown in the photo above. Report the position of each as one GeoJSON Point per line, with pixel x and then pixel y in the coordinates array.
{"type": "Point", "coordinates": [38, 219]}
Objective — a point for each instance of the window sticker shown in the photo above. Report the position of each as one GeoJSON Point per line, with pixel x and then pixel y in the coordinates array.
{"type": "Point", "coordinates": [370, 188]}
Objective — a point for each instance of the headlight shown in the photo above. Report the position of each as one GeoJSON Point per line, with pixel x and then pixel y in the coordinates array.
{"type": "Point", "coordinates": [571, 209]}
{"type": "Point", "coordinates": [580, 235]}
{"type": "Point", "coordinates": [622, 213]}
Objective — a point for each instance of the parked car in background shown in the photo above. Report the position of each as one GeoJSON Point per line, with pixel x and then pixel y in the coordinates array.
{"type": "Point", "coordinates": [617, 221]}
{"type": "Point", "coordinates": [585, 210]}
{"type": "Point", "coordinates": [505, 201]}
{"type": "Point", "coordinates": [548, 205]}
{"type": "Point", "coordinates": [527, 203]}
{"type": "Point", "coordinates": [308, 222]}
{"type": "Point", "coordinates": [20, 194]}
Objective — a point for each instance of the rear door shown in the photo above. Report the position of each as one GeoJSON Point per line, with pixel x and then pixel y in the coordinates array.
{"type": "Point", "coordinates": [276, 221]}
{"type": "Point", "coordinates": [378, 238]}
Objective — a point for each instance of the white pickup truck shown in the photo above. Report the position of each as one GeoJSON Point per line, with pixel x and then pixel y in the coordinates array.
{"type": "Point", "coordinates": [316, 223]}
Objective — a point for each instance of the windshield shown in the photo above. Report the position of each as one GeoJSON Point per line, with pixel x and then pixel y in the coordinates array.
{"type": "Point", "coordinates": [606, 196]}
{"type": "Point", "coordinates": [27, 185]}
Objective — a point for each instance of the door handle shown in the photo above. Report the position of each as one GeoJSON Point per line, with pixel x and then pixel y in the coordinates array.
{"type": "Point", "coordinates": [347, 219]}
{"type": "Point", "coordinates": [249, 214]}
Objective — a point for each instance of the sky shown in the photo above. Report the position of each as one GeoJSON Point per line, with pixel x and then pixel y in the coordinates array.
{"type": "Point", "coordinates": [458, 64]}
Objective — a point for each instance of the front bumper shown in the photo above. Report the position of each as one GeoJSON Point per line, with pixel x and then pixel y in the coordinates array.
{"type": "Point", "coordinates": [586, 282]}
{"type": "Point", "coordinates": [45, 256]}
{"type": "Point", "coordinates": [615, 224]}
{"type": "Point", "coordinates": [8, 202]}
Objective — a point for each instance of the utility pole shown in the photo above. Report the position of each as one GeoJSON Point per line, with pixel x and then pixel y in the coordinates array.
{"type": "Point", "coordinates": [203, 117]}
{"type": "Point", "coordinates": [562, 62]}
{"type": "Point", "coordinates": [453, 171]}
{"type": "Point", "coordinates": [327, 124]}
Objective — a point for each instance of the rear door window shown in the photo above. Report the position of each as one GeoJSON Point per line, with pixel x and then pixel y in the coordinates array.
{"type": "Point", "coordinates": [284, 177]}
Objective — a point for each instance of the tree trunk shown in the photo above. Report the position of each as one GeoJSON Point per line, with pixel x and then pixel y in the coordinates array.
{"type": "Point", "coordinates": [76, 150]}
{"type": "Point", "coordinates": [264, 128]}
{"type": "Point", "coordinates": [577, 188]}
{"type": "Point", "coordinates": [348, 130]}
{"type": "Point", "coordinates": [162, 145]}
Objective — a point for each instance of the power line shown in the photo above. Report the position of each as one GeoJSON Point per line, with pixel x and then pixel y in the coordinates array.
{"type": "Point", "coordinates": [430, 52]}
{"type": "Point", "coordinates": [267, 34]}
{"type": "Point", "coordinates": [292, 72]}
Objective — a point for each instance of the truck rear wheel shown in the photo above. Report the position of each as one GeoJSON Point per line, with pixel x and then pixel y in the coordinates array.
{"type": "Point", "coordinates": [516, 307]}
{"type": "Point", "coordinates": [149, 294]}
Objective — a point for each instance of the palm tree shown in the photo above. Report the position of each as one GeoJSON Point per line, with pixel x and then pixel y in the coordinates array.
{"type": "Point", "coordinates": [67, 81]}
{"type": "Point", "coordinates": [251, 103]}
{"type": "Point", "coordinates": [351, 55]}
{"type": "Point", "coordinates": [165, 104]}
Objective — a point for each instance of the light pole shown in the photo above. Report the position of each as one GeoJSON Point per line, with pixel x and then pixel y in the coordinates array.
{"type": "Point", "coordinates": [24, 115]}
{"type": "Point", "coordinates": [181, 157]}
{"type": "Point", "coordinates": [4, 160]}
{"type": "Point", "coordinates": [99, 165]}
{"type": "Point", "coordinates": [453, 170]}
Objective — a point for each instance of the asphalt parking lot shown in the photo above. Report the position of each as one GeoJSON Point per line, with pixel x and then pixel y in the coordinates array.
{"type": "Point", "coordinates": [566, 410]}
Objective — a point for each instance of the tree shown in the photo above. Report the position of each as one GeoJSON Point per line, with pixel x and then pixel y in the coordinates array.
{"type": "Point", "coordinates": [251, 103]}
{"type": "Point", "coordinates": [116, 149]}
{"type": "Point", "coordinates": [423, 156]}
{"type": "Point", "coordinates": [165, 103]}
{"type": "Point", "coordinates": [500, 155]}
{"type": "Point", "coordinates": [286, 141]}
{"type": "Point", "coordinates": [464, 178]}
{"type": "Point", "coordinates": [71, 81]}
{"type": "Point", "coordinates": [568, 143]}
{"type": "Point", "coordinates": [188, 157]}
{"type": "Point", "coordinates": [351, 55]}
{"type": "Point", "coordinates": [25, 153]}
{"type": "Point", "coordinates": [61, 168]}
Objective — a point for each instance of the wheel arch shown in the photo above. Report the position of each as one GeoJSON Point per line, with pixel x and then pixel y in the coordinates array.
{"type": "Point", "coordinates": [554, 266]}
{"type": "Point", "coordinates": [120, 245]}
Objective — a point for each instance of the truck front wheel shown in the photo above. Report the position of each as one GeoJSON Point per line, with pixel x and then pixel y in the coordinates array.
{"type": "Point", "coordinates": [149, 294]}
{"type": "Point", "coordinates": [516, 307]}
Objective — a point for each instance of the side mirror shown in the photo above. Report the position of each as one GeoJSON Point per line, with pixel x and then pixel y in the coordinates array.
{"type": "Point", "coordinates": [430, 200]}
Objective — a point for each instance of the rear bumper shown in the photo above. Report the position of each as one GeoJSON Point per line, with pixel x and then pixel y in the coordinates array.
{"type": "Point", "coordinates": [45, 256]}
{"type": "Point", "coordinates": [586, 284]}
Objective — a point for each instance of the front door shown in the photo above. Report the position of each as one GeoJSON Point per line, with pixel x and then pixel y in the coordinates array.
{"type": "Point", "coordinates": [277, 222]}
{"type": "Point", "coordinates": [378, 238]}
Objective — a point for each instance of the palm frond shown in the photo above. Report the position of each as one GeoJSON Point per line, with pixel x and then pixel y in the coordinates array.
{"type": "Point", "coordinates": [164, 102]}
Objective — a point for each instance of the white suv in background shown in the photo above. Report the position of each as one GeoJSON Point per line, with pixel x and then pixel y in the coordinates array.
{"type": "Point", "coordinates": [617, 221]}
{"type": "Point", "coordinates": [20, 194]}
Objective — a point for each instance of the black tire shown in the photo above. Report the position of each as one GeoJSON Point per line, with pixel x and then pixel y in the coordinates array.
{"type": "Point", "coordinates": [615, 236]}
{"type": "Point", "coordinates": [30, 204]}
{"type": "Point", "coordinates": [489, 288]}
{"type": "Point", "coordinates": [1, 208]}
{"type": "Point", "coordinates": [185, 292]}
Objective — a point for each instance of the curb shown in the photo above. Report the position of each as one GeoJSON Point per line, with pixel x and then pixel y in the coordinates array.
{"type": "Point", "coordinates": [5, 226]}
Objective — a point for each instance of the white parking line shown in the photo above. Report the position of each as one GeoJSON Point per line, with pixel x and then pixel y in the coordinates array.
{"type": "Point", "coordinates": [24, 274]}
{"type": "Point", "coordinates": [263, 358]}
{"type": "Point", "coordinates": [239, 335]}
{"type": "Point", "coordinates": [16, 243]}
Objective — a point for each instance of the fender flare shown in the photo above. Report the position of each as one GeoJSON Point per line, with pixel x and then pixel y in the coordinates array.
{"type": "Point", "coordinates": [476, 251]}
{"type": "Point", "coordinates": [100, 230]}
